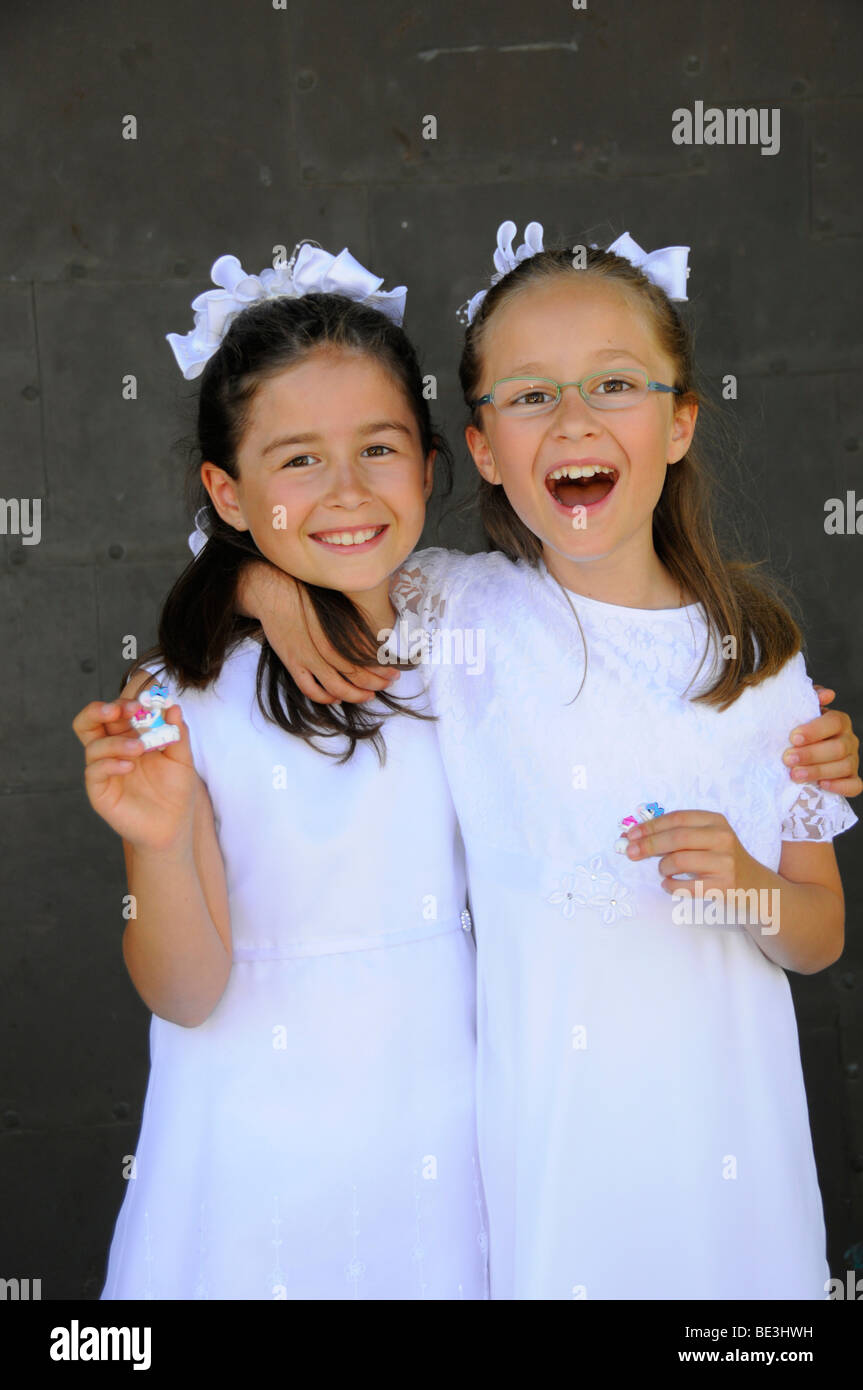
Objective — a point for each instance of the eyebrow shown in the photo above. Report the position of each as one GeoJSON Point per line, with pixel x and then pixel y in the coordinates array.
{"type": "Point", "coordinates": [604, 352]}
{"type": "Point", "coordinates": [373, 427]}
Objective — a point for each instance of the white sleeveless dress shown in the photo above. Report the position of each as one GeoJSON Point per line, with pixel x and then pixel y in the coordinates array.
{"type": "Point", "coordinates": [642, 1115]}
{"type": "Point", "coordinates": [314, 1138]}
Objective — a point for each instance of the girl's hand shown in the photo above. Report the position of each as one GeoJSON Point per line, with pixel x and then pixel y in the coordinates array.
{"type": "Point", "coordinates": [147, 796]}
{"type": "Point", "coordinates": [826, 750]}
{"type": "Point", "coordinates": [693, 842]}
{"type": "Point", "coordinates": [290, 623]}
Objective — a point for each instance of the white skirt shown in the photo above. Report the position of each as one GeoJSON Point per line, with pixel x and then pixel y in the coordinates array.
{"type": "Point", "coordinates": [315, 1137]}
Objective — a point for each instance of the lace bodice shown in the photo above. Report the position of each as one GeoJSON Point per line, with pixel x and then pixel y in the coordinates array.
{"type": "Point", "coordinates": [632, 734]}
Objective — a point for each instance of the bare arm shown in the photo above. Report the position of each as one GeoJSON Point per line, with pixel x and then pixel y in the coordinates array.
{"type": "Point", "coordinates": [811, 932]}
{"type": "Point", "coordinates": [177, 947]}
{"type": "Point", "coordinates": [795, 916]}
{"type": "Point", "coordinates": [291, 627]}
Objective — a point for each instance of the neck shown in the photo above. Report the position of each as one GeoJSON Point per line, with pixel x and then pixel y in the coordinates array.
{"type": "Point", "coordinates": [621, 578]}
{"type": "Point", "coordinates": [376, 607]}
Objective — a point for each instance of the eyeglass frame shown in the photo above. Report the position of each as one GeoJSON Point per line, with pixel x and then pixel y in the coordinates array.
{"type": "Point", "coordinates": [488, 398]}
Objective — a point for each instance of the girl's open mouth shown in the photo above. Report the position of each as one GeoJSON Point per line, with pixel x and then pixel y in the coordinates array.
{"type": "Point", "coordinates": [581, 484]}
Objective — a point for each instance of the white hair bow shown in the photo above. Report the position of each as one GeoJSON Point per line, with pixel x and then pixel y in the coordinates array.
{"type": "Point", "coordinates": [505, 259]}
{"type": "Point", "coordinates": [310, 270]}
{"type": "Point", "coordinates": [666, 267]}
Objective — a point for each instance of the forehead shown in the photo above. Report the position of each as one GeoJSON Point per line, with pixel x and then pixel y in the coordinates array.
{"type": "Point", "coordinates": [331, 389]}
{"type": "Point", "coordinates": [567, 313]}
{"type": "Point", "coordinates": [327, 370]}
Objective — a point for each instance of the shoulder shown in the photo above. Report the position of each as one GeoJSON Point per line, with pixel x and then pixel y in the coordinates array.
{"type": "Point", "coordinates": [790, 690]}
{"type": "Point", "coordinates": [241, 658]}
{"type": "Point", "coordinates": [431, 578]}
{"type": "Point", "coordinates": [153, 672]}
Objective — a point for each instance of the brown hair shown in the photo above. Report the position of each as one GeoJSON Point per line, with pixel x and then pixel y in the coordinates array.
{"type": "Point", "coordinates": [199, 624]}
{"type": "Point", "coordinates": [738, 600]}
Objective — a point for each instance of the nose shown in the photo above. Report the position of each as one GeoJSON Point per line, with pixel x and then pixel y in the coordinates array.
{"type": "Point", "coordinates": [572, 414]}
{"type": "Point", "coordinates": [347, 485]}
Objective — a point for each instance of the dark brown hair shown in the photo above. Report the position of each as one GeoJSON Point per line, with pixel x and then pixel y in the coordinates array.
{"type": "Point", "coordinates": [199, 625]}
{"type": "Point", "coordinates": [738, 600]}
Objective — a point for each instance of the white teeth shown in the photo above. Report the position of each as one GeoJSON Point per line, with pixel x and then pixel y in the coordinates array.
{"type": "Point", "coordinates": [350, 537]}
{"type": "Point", "coordinates": [579, 470]}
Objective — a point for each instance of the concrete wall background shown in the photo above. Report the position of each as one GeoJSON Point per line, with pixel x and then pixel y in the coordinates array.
{"type": "Point", "coordinates": [258, 126]}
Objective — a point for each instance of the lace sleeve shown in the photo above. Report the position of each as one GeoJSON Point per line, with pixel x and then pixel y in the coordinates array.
{"type": "Point", "coordinates": [815, 814]}
{"type": "Point", "coordinates": [423, 585]}
{"type": "Point", "coordinates": [805, 811]}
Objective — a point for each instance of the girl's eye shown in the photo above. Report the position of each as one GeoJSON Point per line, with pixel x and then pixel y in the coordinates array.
{"type": "Point", "coordinates": [616, 385]}
{"type": "Point", "coordinates": [536, 397]}
{"type": "Point", "coordinates": [385, 447]}
{"type": "Point", "coordinates": [299, 461]}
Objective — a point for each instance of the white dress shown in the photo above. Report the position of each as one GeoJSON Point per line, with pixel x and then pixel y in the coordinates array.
{"type": "Point", "coordinates": [314, 1138]}
{"type": "Point", "coordinates": [643, 1124]}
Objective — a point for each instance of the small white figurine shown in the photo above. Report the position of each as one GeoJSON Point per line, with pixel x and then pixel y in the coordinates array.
{"type": "Point", "coordinates": [645, 810]}
{"type": "Point", "coordinates": [149, 718]}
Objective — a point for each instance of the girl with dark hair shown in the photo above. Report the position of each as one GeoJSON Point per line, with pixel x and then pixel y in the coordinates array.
{"type": "Point", "coordinates": [300, 929]}
{"type": "Point", "coordinates": [643, 871]}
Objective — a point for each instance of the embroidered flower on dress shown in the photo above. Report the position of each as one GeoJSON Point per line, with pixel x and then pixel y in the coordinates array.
{"type": "Point", "coordinates": [592, 885]}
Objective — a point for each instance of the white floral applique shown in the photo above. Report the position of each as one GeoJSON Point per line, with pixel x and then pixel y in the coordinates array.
{"type": "Point", "coordinates": [592, 884]}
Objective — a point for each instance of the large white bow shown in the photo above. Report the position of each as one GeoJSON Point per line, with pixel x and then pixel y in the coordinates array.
{"type": "Point", "coordinates": [313, 271]}
{"type": "Point", "coordinates": [666, 267]}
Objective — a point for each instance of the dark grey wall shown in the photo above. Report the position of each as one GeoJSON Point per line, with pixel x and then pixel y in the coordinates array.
{"type": "Point", "coordinates": [258, 126]}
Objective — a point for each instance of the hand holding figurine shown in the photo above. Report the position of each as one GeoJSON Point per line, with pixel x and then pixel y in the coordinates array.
{"type": "Point", "coordinates": [147, 799]}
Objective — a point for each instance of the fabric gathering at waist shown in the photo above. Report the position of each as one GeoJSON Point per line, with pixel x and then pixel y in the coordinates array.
{"type": "Point", "coordinates": [316, 946]}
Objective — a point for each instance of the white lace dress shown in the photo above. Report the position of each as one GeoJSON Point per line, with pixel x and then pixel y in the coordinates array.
{"type": "Point", "coordinates": [315, 1137]}
{"type": "Point", "coordinates": [643, 1123]}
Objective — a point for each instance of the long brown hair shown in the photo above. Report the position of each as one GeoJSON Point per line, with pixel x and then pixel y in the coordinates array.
{"type": "Point", "coordinates": [738, 599]}
{"type": "Point", "coordinates": [199, 626]}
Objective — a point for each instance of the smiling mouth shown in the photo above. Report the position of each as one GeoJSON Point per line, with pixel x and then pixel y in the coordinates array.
{"type": "Point", "coordinates": [350, 538]}
{"type": "Point", "coordinates": [584, 485]}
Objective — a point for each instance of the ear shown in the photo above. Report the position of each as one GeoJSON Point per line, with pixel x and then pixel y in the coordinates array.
{"type": "Point", "coordinates": [223, 495]}
{"type": "Point", "coordinates": [682, 430]}
{"type": "Point", "coordinates": [481, 453]}
{"type": "Point", "coordinates": [428, 473]}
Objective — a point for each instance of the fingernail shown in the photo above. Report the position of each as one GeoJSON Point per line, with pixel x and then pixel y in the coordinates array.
{"type": "Point", "coordinates": [799, 774]}
{"type": "Point", "coordinates": [633, 851]}
{"type": "Point", "coordinates": [106, 709]}
{"type": "Point", "coordinates": [132, 743]}
{"type": "Point", "coordinates": [791, 758]}
{"type": "Point", "coordinates": [797, 738]}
